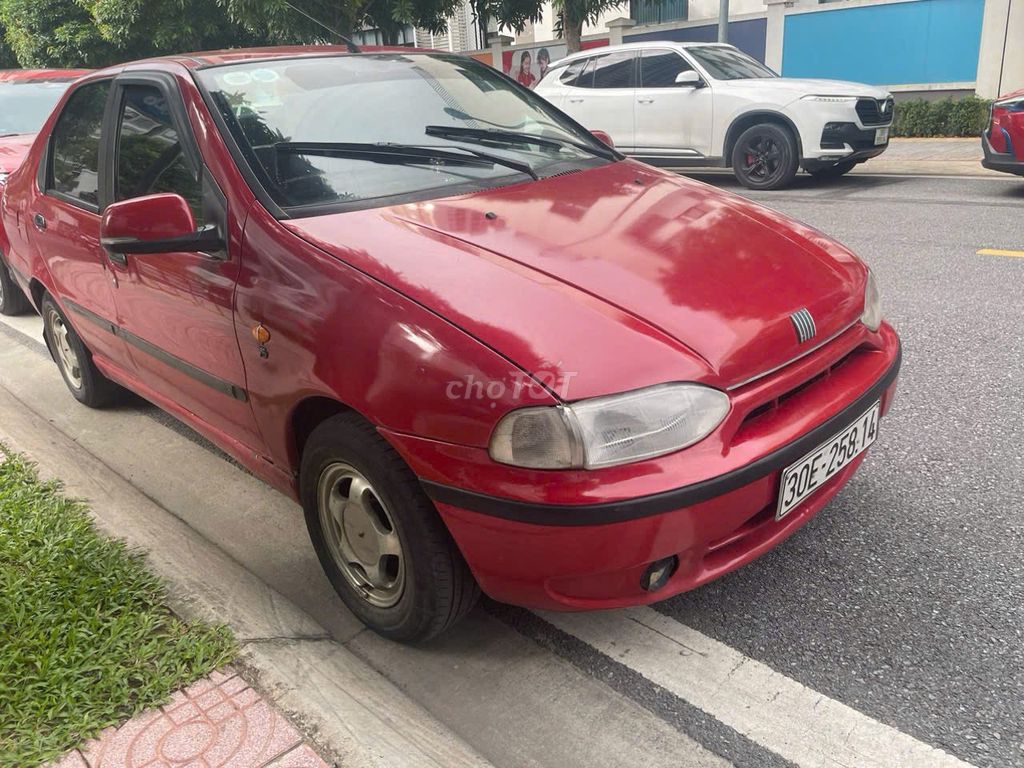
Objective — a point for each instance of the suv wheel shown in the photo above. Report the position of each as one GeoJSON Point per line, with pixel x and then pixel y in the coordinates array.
{"type": "Point", "coordinates": [379, 538]}
{"type": "Point", "coordinates": [12, 300]}
{"type": "Point", "coordinates": [765, 157]}
{"type": "Point", "coordinates": [87, 384]}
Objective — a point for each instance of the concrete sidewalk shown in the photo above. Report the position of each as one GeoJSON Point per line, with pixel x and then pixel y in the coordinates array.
{"type": "Point", "coordinates": [932, 157]}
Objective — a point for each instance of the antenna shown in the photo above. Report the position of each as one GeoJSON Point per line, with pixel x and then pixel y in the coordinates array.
{"type": "Point", "coordinates": [352, 47]}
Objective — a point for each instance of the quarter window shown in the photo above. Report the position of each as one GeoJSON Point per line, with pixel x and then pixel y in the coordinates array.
{"type": "Point", "coordinates": [75, 148]}
{"type": "Point", "coordinates": [615, 70]}
{"type": "Point", "coordinates": [659, 69]}
{"type": "Point", "coordinates": [579, 74]}
{"type": "Point", "coordinates": [149, 155]}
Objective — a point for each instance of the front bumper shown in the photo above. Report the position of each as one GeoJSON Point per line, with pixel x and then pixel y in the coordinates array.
{"type": "Point", "coordinates": [566, 556]}
{"type": "Point", "coordinates": [1000, 161]}
{"type": "Point", "coordinates": [843, 142]}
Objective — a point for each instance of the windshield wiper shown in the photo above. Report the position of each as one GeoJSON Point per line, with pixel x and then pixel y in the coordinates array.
{"type": "Point", "coordinates": [402, 154]}
{"type": "Point", "coordinates": [513, 137]}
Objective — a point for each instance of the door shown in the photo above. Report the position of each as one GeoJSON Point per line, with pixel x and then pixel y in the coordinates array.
{"type": "Point", "coordinates": [176, 309]}
{"type": "Point", "coordinates": [600, 95]}
{"type": "Point", "coordinates": [672, 119]}
{"type": "Point", "coordinates": [63, 227]}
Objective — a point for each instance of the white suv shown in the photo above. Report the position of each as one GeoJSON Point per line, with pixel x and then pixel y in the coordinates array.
{"type": "Point", "coordinates": [707, 104]}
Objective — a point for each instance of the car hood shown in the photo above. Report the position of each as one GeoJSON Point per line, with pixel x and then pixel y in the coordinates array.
{"type": "Point", "coordinates": [13, 150]}
{"type": "Point", "coordinates": [621, 275]}
{"type": "Point", "coordinates": [800, 86]}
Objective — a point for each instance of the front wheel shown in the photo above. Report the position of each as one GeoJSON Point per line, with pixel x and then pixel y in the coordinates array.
{"type": "Point", "coordinates": [12, 299]}
{"type": "Point", "coordinates": [765, 157]}
{"type": "Point", "coordinates": [378, 537]}
{"type": "Point", "coordinates": [832, 171]}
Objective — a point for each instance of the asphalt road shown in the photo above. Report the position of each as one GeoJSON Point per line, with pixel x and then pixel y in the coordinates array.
{"type": "Point", "coordinates": [904, 598]}
{"type": "Point", "coordinates": [890, 624]}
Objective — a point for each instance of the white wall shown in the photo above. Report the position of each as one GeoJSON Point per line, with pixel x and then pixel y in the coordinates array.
{"type": "Point", "coordinates": [1003, 20]}
{"type": "Point", "coordinates": [708, 9]}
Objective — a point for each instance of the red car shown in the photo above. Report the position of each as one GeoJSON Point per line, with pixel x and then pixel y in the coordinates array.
{"type": "Point", "coordinates": [26, 98]}
{"type": "Point", "coordinates": [480, 347]}
{"type": "Point", "coordinates": [1003, 140]}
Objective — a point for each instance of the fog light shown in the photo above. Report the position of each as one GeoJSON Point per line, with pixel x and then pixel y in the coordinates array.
{"type": "Point", "coordinates": [658, 573]}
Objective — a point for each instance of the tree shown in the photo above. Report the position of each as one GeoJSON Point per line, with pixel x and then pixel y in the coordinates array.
{"type": "Point", "coordinates": [573, 14]}
{"type": "Point", "coordinates": [95, 33]}
{"type": "Point", "coordinates": [506, 14]}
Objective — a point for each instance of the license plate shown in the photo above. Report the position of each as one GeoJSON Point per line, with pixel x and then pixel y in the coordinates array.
{"type": "Point", "coordinates": [803, 478]}
{"type": "Point", "coordinates": [881, 136]}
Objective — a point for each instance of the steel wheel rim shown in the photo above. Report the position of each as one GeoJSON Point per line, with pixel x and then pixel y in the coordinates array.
{"type": "Point", "coordinates": [762, 158]}
{"type": "Point", "coordinates": [361, 536]}
{"type": "Point", "coordinates": [65, 354]}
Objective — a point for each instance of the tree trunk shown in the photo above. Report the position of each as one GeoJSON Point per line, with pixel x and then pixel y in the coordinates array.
{"type": "Point", "coordinates": [572, 30]}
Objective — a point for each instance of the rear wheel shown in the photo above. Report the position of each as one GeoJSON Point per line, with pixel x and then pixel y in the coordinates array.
{"type": "Point", "coordinates": [765, 157]}
{"type": "Point", "coordinates": [379, 539]}
{"type": "Point", "coordinates": [832, 171]}
{"type": "Point", "coordinates": [12, 300]}
{"type": "Point", "coordinates": [83, 378]}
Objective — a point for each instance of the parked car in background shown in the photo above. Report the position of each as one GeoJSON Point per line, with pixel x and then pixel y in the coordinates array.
{"type": "Point", "coordinates": [482, 349]}
{"type": "Point", "coordinates": [1003, 140]}
{"type": "Point", "coordinates": [27, 97]}
{"type": "Point", "coordinates": [687, 105]}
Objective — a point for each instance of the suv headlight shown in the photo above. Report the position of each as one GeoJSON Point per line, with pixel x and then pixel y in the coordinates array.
{"type": "Point", "coordinates": [605, 431]}
{"type": "Point", "coordinates": [830, 99]}
{"type": "Point", "coordinates": [872, 315]}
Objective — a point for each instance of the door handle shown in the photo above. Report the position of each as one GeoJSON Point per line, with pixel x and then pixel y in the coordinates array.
{"type": "Point", "coordinates": [575, 101]}
{"type": "Point", "coordinates": [646, 101]}
{"type": "Point", "coordinates": [40, 221]}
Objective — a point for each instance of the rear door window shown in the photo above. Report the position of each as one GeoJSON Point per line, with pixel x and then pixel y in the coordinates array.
{"type": "Point", "coordinates": [75, 146]}
{"type": "Point", "coordinates": [615, 70]}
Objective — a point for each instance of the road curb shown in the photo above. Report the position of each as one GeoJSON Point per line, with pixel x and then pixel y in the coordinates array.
{"type": "Point", "coordinates": [351, 711]}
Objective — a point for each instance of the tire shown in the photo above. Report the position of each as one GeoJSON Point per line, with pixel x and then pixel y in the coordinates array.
{"type": "Point", "coordinates": [765, 156]}
{"type": "Point", "coordinates": [74, 361]}
{"type": "Point", "coordinates": [381, 542]}
{"type": "Point", "coordinates": [833, 171]}
{"type": "Point", "coordinates": [12, 300]}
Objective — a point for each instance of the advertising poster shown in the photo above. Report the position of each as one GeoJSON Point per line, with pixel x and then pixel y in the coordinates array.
{"type": "Point", "coordinates": [528, 65]}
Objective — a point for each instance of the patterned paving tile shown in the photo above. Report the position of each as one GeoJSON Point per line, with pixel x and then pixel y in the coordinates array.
{"type": "Point", "coordinates": [218, 722]}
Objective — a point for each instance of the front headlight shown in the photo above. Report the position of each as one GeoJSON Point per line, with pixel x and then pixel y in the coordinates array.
{"type": "Point", "coordinates": [830, 99]}
{"type": "Point", "coordinates": [872, 315]}
{"type": "Point", "coordinates": [605, 431]}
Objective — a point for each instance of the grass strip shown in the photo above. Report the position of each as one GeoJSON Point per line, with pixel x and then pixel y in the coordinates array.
{"type": "Point", "coordinates": [86, 637]}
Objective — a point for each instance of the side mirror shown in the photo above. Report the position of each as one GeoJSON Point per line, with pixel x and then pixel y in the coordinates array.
{"type": "Point", "coordinates": [604, 138]}
{"type": "Point", "coordinates": [161, 223]}
{"type": "Point", "coordinates": [689, 78]}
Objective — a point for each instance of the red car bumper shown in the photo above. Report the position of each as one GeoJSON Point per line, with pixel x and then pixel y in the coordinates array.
{"type": "Point", "coordinates": [567, 556]}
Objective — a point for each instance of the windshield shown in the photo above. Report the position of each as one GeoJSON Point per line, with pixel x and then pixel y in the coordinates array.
{"type": "Point", "coordinates": [24, 106]}
{"type": "Point", "coordinates": [728, 63]}
{"type": "Point", "coordinates": [285, 114]}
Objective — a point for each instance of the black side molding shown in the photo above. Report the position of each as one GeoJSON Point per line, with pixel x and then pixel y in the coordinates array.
{"type": "Point", "coordinates": [666, 501]}
{"type": "Point", "coordinates": [213, 382]}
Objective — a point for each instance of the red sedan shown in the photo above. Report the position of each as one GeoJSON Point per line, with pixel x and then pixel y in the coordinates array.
{"type": "Point", "coordinates": [480, 347]}
{"type": "Point", "coordinates": [1003, 140]}
{"type": "Point", "coordinates": [27, 97]}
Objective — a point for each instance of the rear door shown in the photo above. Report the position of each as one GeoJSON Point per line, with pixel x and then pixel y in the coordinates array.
{"type": "Point", "coordinates": [63, 220]}
{"type": "Point", "coordinates": [601, 96]}
{"type": "Point", "coordinates": [672, 119]}
{"type": "Point", "coordinates": [176, 309]}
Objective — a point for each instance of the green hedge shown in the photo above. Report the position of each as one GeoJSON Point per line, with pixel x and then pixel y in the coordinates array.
{"type": "Point", "coordinates": [947, 117]}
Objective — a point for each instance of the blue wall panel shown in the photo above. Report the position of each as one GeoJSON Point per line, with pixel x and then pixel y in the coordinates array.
{"type": "Point", "coordinates": [747, 35]}
{"type": "Point", "coordinates": [927, 41]}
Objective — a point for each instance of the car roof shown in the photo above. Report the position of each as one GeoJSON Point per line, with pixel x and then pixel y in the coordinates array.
{"type": "Point", "coordinates": [204, 59]}
{"type": "Point", "coordinates": [641, 46]}
{"type": "Point", "coordinates": [41, 75]}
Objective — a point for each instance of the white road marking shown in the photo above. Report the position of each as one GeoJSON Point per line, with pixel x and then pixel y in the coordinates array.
{"type": "Point", "coordinates": [769, 708]}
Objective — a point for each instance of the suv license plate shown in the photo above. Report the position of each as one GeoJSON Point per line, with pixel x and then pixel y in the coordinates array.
{"type": "Point", "coordinates": [803, 478]}
{"type": "Point", "coordinates": [881, 136]}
